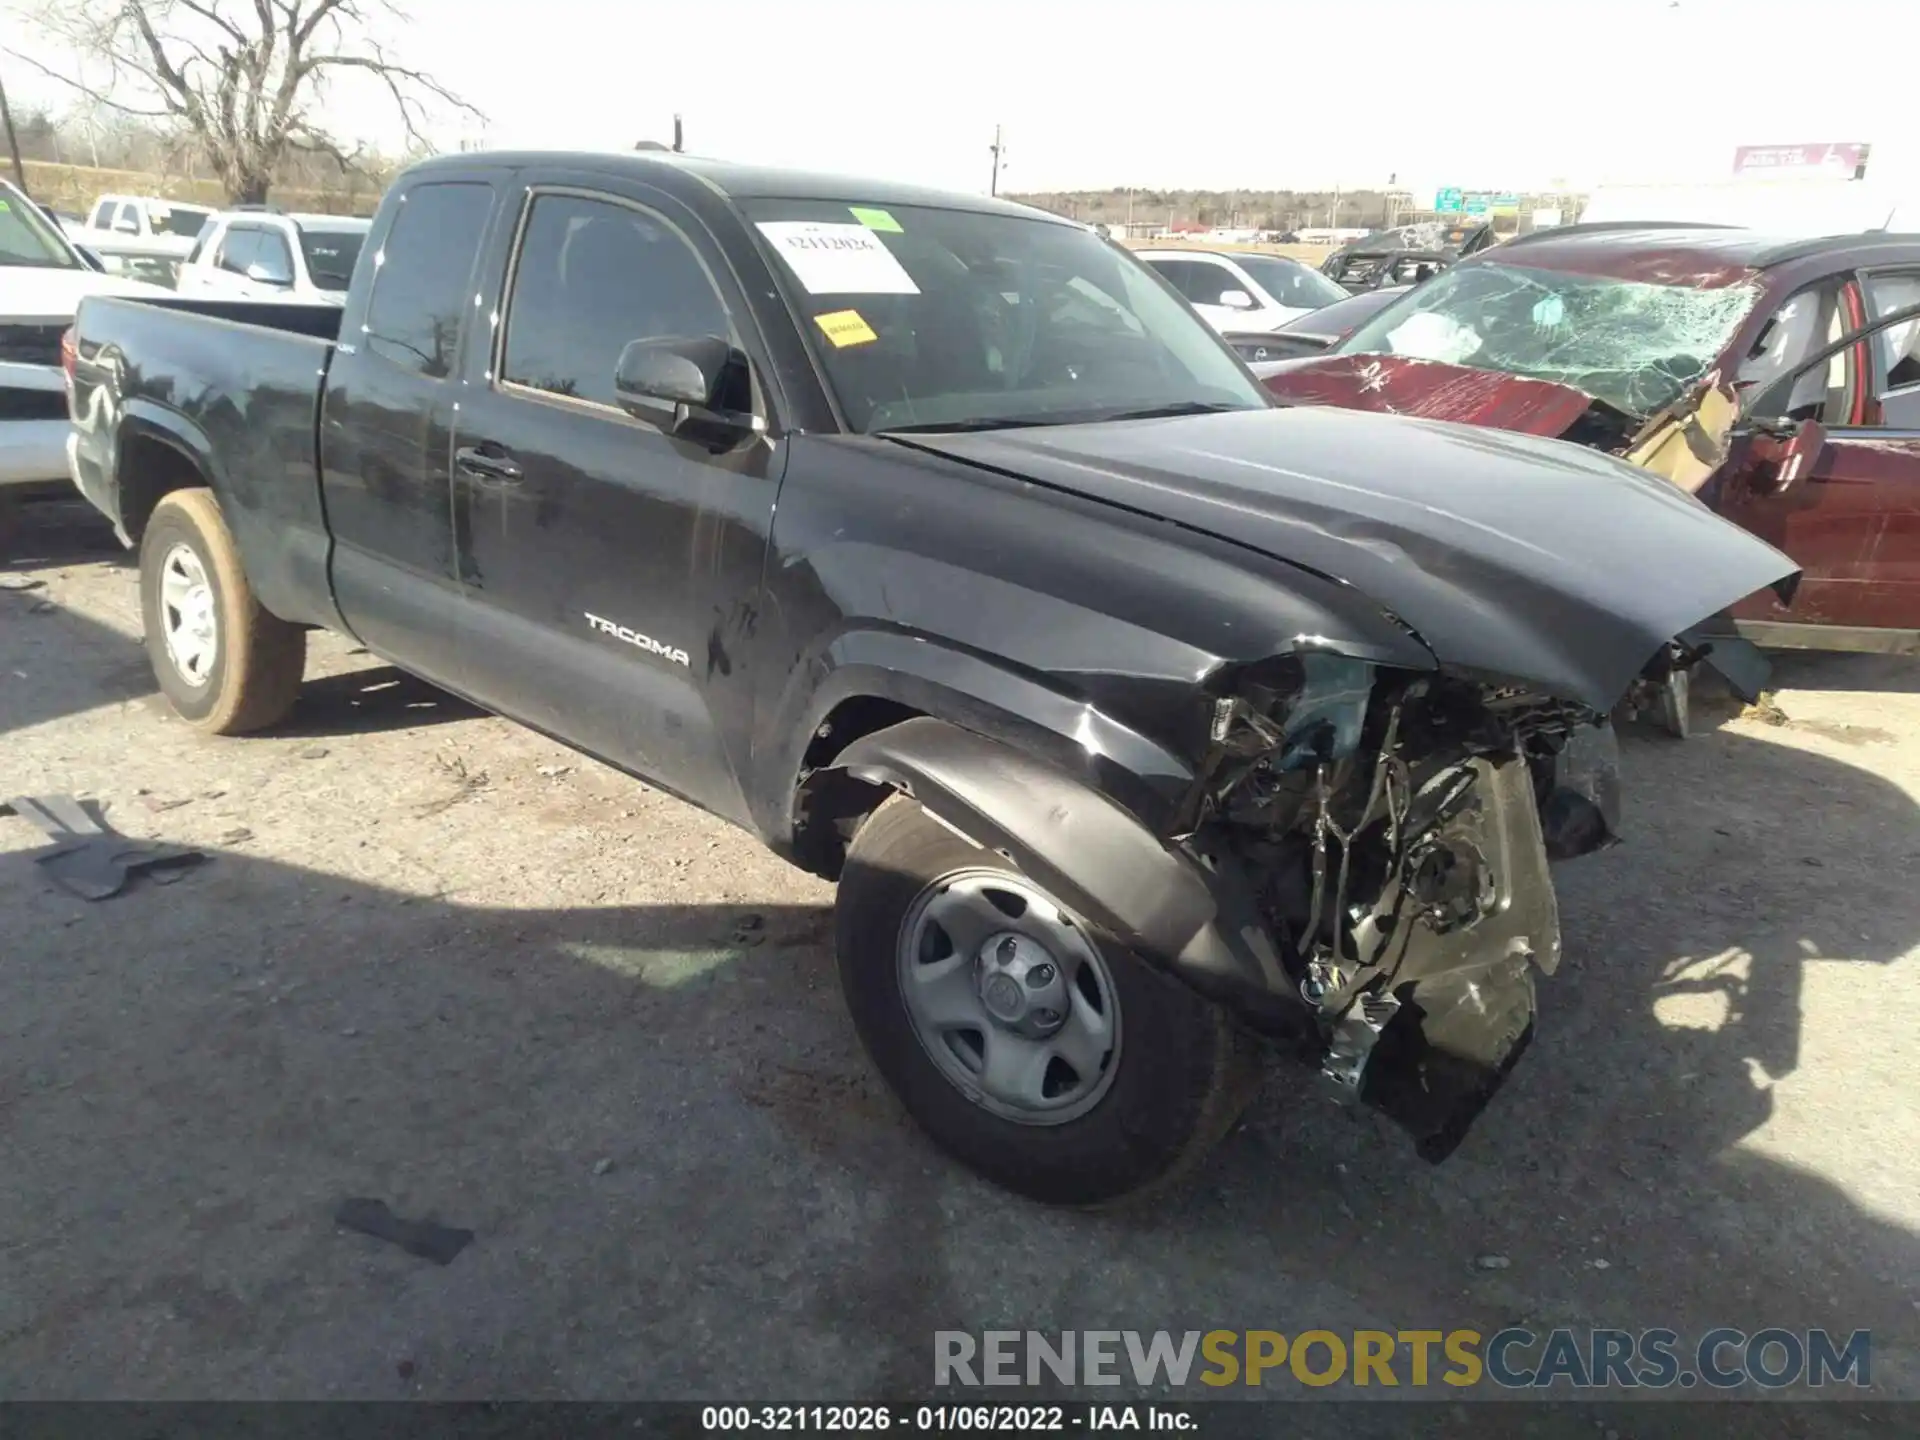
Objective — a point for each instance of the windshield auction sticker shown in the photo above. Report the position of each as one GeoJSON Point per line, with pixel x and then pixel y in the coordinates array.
{"type": "Point", "coordinates": [831, 259]}
{"type": "Point", "coordinates": [845, 327]}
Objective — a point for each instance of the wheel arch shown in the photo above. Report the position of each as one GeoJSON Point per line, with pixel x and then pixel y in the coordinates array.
{"type": "Point", "coordinates": [159, 452]}
{"type": "Point", "coordinates": [874, 681]}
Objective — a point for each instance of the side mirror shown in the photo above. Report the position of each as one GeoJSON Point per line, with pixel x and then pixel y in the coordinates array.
{"type": "Point", "coordinates": [88, 258]}
{"type": "Point", "coordinates": [688, 388]}
{"type": "Point", "coordinates": [127, 225]}
{"type": "Point", "coordinates": [1786, 458]}
{"type": "Point", "coordinates": [269, 275]}
{"type": "Point", "coordinates": [1236, 299]}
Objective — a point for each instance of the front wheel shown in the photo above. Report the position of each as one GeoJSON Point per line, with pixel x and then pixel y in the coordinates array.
{"type": "Point", "coordinates": [1042, 1053]}
{"type": "Point", "coordinates": [225, 664]}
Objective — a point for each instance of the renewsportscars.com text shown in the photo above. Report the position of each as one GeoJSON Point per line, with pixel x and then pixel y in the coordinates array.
{"type": "Point", "coordinates": [1515, 1358]}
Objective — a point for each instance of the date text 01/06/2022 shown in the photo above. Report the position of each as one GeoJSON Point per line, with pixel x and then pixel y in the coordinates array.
{"type": "Point", "coordinates": [944, 1418]}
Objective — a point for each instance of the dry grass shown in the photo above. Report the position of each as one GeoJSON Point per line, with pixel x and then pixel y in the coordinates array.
{"type": "Point", "coordinates": [74, 188]}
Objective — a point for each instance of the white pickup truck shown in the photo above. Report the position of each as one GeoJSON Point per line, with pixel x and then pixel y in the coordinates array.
{"type": "Point", "coordinates": [142, 235]}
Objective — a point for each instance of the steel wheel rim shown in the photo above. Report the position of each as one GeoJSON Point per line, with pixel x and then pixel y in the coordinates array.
{"type": "Point", "coordinates": [189, 616]}
{"type": "Point", "coordinates": [954, 951]}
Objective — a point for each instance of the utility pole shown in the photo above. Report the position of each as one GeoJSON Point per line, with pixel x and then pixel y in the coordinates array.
{"type": "Point", "coordinates": [679, 142]}
{"type": "Point", "coordinates": [13, 141]}
{"type": "Point", "coordinates": [998, 150]}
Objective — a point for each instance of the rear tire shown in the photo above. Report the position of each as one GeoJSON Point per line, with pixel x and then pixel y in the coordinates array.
{"type": "Point", "coordinates": [225, 665]}
{"type": "Point", "coordinates": [1178, 1073]}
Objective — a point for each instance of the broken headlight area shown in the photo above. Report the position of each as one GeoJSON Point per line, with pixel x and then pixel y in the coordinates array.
{"type": "Point", "coordinates": [1392, 834]}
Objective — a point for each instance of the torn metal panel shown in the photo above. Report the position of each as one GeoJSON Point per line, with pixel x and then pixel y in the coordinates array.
{"type": "Point", "coordinates": [1688, 443]}
{"type": "Point", "coordinates": [89, 858]}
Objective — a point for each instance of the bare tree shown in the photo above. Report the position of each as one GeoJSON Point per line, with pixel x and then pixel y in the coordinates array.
{"type": "Point", "coordinates": [245, 79]}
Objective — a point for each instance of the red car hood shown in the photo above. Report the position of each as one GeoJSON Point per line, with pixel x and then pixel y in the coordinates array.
{"type": "Point", "coordinates": [1396, 385]}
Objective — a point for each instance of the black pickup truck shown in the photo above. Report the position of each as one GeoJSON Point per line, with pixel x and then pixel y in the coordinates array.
{"type": "Point", "coordinates": [936, 541]}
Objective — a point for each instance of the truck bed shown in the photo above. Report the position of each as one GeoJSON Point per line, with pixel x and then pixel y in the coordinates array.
{"type": "Point", "coordinates": [234, 387]}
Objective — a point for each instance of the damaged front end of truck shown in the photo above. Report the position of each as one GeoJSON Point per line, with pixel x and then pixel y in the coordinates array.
{"type": "Point", "coordinates": [1388, 834]}
{"type": "Point", "coordinates": [1355, 855]}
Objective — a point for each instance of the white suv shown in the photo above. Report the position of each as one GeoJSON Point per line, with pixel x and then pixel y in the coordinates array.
{"type": "Point", "coordinates": [1242, 291]}
{"type": "Point", "coordinates": [260, 255]}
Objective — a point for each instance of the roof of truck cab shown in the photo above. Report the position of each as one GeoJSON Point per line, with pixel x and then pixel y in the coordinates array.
{"type": "Point", "coordinates": [737, 181]}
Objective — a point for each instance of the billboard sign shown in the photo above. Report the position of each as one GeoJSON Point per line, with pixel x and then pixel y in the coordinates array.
{"type": "Point", "coordinates": [1845, 160]}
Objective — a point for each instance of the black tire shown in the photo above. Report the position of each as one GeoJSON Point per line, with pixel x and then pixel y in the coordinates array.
{"type": "Point", "coordinates": [1186, 1071]}
{"type": "Point", "coordinates": [260, 659]}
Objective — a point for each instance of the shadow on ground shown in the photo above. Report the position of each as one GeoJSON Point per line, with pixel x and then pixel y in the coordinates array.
{"type": "Point", "coordinates": [363, 702]}
{"type": "Point", "coordinates": [60, 531]}
{"type": "Point", "coordinates": [678, 1164]}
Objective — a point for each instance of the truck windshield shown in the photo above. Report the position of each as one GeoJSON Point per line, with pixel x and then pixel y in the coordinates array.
{"type": "Point", "coordinates": [330, 255]}
{"type": "Point", "coordinates": [932, 319]}
{"type": "Point", "coordinates": [1635, 346]}
{"type": "Point", "coordinates": [28, 238]}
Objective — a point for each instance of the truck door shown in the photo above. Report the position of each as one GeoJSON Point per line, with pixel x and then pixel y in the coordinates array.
{"type": "Point", "coordinates": [386, 427]}
{"type": "Point", "coordinates": [604, 558]}
{"type": "Point", "coordinates": [1852, 519]}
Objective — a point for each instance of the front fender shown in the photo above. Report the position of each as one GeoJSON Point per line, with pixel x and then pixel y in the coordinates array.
{"type": "Point", "coordinates": [978, 694]}
{"type": "Point", "coordinates": [1090, 854]}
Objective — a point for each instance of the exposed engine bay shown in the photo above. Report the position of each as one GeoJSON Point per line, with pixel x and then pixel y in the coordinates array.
{"type": "Point", "coordinates": [1393, 833]}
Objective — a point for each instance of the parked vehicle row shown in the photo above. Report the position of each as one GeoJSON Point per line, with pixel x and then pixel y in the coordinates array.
{"type": "Point", "coordinates": [142, 236]}
{"type": "Point", "coordinates": [1779, 380]}
{"type": "Point", "coordinates": [255, 255]}
{"type": "Point", "coordinates": [940, 544]}
{"type": "Point", "coordinates": [1243, 291]}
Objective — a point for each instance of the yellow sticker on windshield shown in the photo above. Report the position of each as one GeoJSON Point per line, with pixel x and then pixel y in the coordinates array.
{"type": "Point", "coordinates": [876, 219]}
{"type": "Point", "coordinates": [844, 328]}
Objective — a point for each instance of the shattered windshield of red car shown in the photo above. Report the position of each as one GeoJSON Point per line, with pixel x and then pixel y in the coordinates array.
{"type": "Point", "coordinates": [1635, 346]}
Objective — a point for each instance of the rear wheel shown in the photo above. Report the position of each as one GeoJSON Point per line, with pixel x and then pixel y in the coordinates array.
{"type": "Point", "coordinates": [224, 664]}
{"type": "Point", "coordinates": [1032, 1047]}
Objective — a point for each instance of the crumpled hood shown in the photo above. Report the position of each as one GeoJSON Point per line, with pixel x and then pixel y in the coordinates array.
{"type": "Point", "coordinates": [1430, 389]}
{"type": "Point", "coordinates": [1520, 558]}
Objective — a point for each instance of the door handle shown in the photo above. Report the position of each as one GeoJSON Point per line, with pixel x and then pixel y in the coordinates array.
{"type": "Point", "coordinates": [488, 464]}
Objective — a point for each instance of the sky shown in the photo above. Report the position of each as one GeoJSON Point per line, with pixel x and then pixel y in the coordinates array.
{"type": "Point", "coordinates": [1262, 94]}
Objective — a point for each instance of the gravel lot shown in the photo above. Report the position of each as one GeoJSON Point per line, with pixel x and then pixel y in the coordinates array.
{"type": "Point", "coordinates": [444, 962]}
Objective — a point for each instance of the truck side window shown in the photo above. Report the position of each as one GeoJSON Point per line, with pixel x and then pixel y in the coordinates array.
{"type": "Point", "coordinates": [591, 277]}
{"type": "Point", "coordinates": [1181, 274]}
{"type": "Point", "coordinates": [1207, 282]}
{"type": "Point", "coordinates": [274, 254]}
{"type": "Point", "coordinates": [239, 249]}
{"type": "Point", "coordinates": [422, 275]}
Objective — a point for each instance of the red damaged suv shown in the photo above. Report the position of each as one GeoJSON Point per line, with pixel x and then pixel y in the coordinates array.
{"type": "Point", "coordinates": [1778, 380]}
